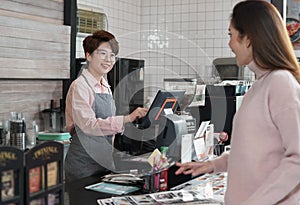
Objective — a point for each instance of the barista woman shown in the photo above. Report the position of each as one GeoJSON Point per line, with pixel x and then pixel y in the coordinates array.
{"type": "Point", "coordinates": [90, 111]}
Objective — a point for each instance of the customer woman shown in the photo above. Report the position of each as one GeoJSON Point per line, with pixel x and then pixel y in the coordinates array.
{"type": "Point", "coordinates": [264, 161]}
{"type": "Point", "coordinates": [90, 111]}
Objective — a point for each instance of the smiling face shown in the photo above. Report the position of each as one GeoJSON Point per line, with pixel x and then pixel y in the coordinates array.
{"type": "Point", "coordinates": [241, 47]}
{"type": "Point", "coordinates": [101, 61]}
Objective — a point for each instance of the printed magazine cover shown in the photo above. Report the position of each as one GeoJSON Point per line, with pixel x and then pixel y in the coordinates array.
{"type": "Point", "coordinates": [161, 198]}
{"type": "Point", "coordinates": [35, 179]}
{"type": "Point", "coordinates": [52, 174]}
{"type": "Point", "coordinates": [8, 184]}
{"type": "Point", "coordinates": [111, 188]}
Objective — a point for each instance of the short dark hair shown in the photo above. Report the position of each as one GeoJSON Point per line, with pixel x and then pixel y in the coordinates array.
{"type": "Point", "coordinates": [92, 42]}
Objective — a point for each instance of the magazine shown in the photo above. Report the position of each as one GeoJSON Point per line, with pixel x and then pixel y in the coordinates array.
{"type": "Point", "coordinates": [35, 179]}
{"type": "Point", "coordinates": [161, 198]}
{"type": "Point", "coordinates": [110, 188]}
{"type": "Point", "coordinates": [52, 174]}
{"type": "Point", "coordinates": [8, 184]}
{"type": "Point", "coordinates": [211, 185]}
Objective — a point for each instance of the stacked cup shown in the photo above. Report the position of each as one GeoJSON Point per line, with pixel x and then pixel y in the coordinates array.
{"type": "Point", "coordinates": [17, 130]}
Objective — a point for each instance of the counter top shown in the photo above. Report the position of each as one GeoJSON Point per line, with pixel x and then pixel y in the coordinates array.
{"type": "Point", "coordinates": [76, 194]}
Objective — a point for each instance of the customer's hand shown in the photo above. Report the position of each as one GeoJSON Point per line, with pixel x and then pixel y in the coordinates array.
{"type": "Point", "coordinates": [195, 168]}
{"type": "Point", "coordinates": [136, 114]}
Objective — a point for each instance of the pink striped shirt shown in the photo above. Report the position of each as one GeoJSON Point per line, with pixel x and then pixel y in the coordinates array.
{"type": "Point", "coordinates": [79, 111]}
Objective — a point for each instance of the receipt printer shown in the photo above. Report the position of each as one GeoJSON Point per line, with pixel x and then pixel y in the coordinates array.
{"type": "Point", "coordinates": [171, 129]}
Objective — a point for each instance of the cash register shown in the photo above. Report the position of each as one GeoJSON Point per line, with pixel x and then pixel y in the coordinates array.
{"type": "Point", "coordinates": [165, 126]}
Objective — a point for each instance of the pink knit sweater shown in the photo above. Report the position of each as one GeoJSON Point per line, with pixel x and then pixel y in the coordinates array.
{"type": "Point", "coordinates": [264, 162]}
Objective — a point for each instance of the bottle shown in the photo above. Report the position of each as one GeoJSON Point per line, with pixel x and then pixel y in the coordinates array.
{"type": "Point", "coordinates": [164, 150]}
{"type": "Point", "coordinates": [2, 134]}
{"type": "Point", "coordinates": [163, 181]}
{"type": "Point", "coordinates": [209, 141]}
{"type": "Point", "coordinates": [31, 134]}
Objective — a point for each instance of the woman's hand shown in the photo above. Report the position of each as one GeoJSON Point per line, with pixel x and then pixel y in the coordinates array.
{"type": "Point", "coordinates": [136, 114]}
{"type": "Point", "coordinates": [194, 168]}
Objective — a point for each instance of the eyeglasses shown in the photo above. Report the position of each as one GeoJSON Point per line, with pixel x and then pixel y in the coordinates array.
{"type": "Point", "coordinates": [103, 54]}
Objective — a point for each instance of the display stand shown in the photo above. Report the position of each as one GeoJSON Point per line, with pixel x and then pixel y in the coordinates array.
{"type": "Point", "coordinates": [12, 176]}
{"type": "Point", "coordinates": [44, 174]}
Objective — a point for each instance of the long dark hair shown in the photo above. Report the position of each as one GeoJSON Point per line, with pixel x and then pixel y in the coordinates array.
{"type": "Point", "coordinates": [262, 23]}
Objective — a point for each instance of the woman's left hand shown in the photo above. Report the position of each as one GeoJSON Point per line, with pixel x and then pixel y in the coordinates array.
{"type": "Point", "coordinates": [195, 168]}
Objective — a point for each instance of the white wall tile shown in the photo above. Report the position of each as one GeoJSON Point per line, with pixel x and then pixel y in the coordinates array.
{"type": "Point", "coordinates": [191, 34]}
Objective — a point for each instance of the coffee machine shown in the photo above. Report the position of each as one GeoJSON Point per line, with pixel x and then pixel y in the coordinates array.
{"type": "Point", "coordinates": [54, 123]}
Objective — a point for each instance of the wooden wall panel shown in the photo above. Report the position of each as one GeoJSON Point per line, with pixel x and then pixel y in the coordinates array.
{"type": "Point", "coordinates": [32, 8]}
{"type": "Point", "coordinates": [45, 47]}
{"type": "Point", "coordinates": [28, 96]}
{"type": "Point", "coordinates": [34, 56]}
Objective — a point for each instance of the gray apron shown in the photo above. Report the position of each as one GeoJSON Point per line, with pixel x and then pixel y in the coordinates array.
{"type": "Point", "coordinates": [91, 155]}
